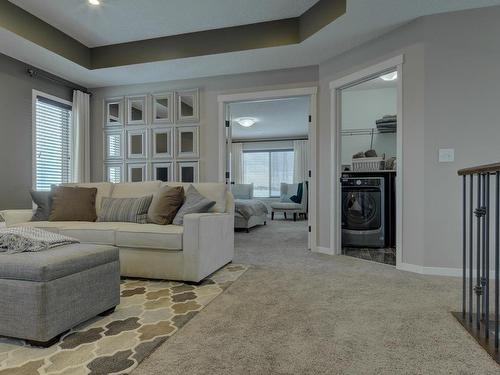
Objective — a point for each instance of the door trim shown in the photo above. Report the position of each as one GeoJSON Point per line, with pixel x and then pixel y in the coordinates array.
{"type": "Point", "coordinates": [336, 160]}
{"type": "Point", "coordinates": [312, 92]}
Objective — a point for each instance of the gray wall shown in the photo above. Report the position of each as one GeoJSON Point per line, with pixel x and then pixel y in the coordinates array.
{"type": "Point", "coordinates": [451, 91]}
{"type": "Point", "coordinates": [210, 88]}
{"type": "Point", "coordinates": [16, 130]}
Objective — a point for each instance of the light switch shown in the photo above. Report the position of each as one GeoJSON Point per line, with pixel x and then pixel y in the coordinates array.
{"type": "Point", "coordinates": [446, 155]}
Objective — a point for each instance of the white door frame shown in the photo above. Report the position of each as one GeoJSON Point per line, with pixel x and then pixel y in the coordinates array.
{"type": "Point", "coordinates": [336, 160]}
{"type": "Point", "coordinates": [312, 92]}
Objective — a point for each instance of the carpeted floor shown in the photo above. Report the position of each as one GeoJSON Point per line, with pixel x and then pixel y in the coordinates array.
{"type": "Point", "coordinates": [294, 312]}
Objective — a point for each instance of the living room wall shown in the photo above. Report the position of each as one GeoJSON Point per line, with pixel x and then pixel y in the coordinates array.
{"type": "Point", "coordinates": [451, 93]}
{"type": "Point", "coordinates": [16, 130]}
{"type": "Point", "coordinates": [210, 88]}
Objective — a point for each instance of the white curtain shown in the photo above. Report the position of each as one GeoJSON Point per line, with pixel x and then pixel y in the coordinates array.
{"type": "Point", "coordinates": [301, 161]}
{"type": "Point", "coordinates": [81, 137]}
{"type": "Point", "coordinates": [237, 163]}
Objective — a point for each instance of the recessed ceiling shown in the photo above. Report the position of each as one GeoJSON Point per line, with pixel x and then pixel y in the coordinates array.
{"type": "Point", "coordinates": [276, 119]}
{"type": "Point", "coordinates": [119, 21]}
{"type": "Point", "coordinates": [364, 20]}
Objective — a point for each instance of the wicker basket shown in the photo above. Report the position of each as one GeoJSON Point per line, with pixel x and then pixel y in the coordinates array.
{"type": "Point", "coordinates": [368, 164]}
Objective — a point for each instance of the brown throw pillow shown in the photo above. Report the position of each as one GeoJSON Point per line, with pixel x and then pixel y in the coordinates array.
{"type": "Point", "coordinates": [165, 204]}
{"type": "Point", "coordinates": [73, 204]}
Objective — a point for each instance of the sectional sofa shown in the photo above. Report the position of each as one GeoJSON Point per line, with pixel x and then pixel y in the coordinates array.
{"type": "Point", "coordinates": [191, 252]}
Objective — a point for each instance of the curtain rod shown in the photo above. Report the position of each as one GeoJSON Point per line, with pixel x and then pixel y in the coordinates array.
{"type": "Point", "coordinates": [37, 73]}
{"type": "Point", "coordinates": [268, 140]}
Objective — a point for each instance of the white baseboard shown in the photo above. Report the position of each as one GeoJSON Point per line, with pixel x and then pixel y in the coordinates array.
{"type": "Point", "coordinates": [437, 271]}
{"type": "Point", "coordinates": [323, 250]}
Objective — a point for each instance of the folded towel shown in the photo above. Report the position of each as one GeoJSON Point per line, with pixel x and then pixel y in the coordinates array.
{"type": "Point", "coordinates": [28, 239]}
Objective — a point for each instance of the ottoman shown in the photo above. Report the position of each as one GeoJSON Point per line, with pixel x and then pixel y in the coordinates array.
{"type": "Point", "coordinates": [44, 294]}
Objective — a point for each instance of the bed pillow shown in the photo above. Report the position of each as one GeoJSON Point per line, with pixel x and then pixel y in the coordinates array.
{"type": "Point", "coordinates": [194, 203]}
{"type": "Point", "coordinates": [165, 204]}
{"type": "Point", "coordinates": [43, 201]}
{"type": "Point", "coordinates": [125, 210]}
{"type": "Point", "coordinates": [73, 204]}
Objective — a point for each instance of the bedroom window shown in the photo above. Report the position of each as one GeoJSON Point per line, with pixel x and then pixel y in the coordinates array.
{"type": "Point", "coordinates": [52, 141]}
{"type": "Point", "coordinates": [267, 170]}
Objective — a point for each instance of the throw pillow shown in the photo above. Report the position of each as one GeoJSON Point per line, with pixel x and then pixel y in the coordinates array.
{"type": "Point", "coordinates": [73, 204]}
{"type": "Point", "coordinates": [165, 204]}
{"type": "Point", "coordinates": [43, 201]}
{"type": "Point", "coordinates": [128, 210]}
{"type": "Point", "coordinates": [193, 204]}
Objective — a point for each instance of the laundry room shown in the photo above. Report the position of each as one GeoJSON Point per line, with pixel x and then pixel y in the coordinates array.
{"type": "Point", "coordinates": [369, 159]}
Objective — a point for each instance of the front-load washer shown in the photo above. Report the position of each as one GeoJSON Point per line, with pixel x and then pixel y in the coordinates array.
{"type": "Point", "coordinates": [363, 212]}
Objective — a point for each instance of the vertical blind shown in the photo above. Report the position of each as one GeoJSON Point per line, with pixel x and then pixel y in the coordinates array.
{"type": "Point", "coordinates": [53, 143]}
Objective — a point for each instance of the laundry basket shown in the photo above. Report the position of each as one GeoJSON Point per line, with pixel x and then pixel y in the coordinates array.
{"type": "Point", "coordinates": [368, 164]}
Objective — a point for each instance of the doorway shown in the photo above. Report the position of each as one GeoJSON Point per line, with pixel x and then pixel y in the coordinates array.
{"type": "Point", "coordinates": [270, 140]}
{"type": "Point", "coordinates": [366, 211]}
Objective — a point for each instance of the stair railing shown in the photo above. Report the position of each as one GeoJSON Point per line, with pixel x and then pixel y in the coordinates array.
{"type": "Point", "coordinates": [480, 250]}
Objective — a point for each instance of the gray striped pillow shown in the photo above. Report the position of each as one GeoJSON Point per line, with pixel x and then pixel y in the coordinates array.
{"type": "Point", "coordinates": [130, 210]}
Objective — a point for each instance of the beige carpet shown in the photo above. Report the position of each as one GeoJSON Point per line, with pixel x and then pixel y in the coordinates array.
{"type": "Point", "coordinates": [150, 312]}
{"type": "Point", "coordinates": [295, 312]}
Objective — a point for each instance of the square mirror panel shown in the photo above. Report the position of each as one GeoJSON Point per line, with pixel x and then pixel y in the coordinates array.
{"type": "Point", "coordinates": [114, 173]}
{"type": "Point", "coordinates": [163, 172]}
{"type": "Point", "coordinates": [162, 108]}
{"type": "Point", "coordinates": [187, 142]}
{"type": "Point", "coordinates": [188, 106]}
{"type": "Point", "coordinates": [162, 140]}
{"type": "Point", "coordinates": [113, 144]}
{"type": "Point", "coordinates": [188, 171]}
{"type": "Point", "coordinates": [136, 110]}
{"type": "Point", "coordinates": [113, 110]}
{"type": "Point", "coordinates": [136, 172]}
{"type": "Point", "coordinates": [137, 144]}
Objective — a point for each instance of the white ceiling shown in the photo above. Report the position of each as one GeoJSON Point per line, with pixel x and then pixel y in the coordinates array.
{"type": "Point", "coordinates": [281, 118]}
{"type": "Point", "coordinates": [363, 21]}
{"type": "Point", "coordinates": [119, 21]}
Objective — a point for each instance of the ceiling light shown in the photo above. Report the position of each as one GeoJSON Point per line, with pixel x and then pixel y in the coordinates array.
{"type": "Point", "coordinates": [246, 122]}
{"type": "Point", "coordinates": [390, 76]}
{"type": "Point", "coordinates": [94, 2]}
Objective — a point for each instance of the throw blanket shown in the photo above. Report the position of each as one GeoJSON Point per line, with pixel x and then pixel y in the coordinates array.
{"type": "Point", "coordinates": [249, 207]}
{"type": "Point", "coordinates": [20, 239]}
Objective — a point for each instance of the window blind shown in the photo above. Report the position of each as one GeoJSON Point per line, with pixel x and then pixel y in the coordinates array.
{"type": "Point", "coordinates": [53, 143]}
{"type": "Point", "coordinates": [267, 170]}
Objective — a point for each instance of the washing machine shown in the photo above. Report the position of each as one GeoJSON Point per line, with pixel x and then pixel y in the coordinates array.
{"type": "Point", "coordinates": [364, 212]}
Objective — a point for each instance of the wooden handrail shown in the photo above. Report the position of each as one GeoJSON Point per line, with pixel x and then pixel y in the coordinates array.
{"type": "Point", "coordinates": [487, 168]}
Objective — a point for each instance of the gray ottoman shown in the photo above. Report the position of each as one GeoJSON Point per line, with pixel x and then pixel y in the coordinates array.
{"type": "Point", "coordinates": [44, 294]}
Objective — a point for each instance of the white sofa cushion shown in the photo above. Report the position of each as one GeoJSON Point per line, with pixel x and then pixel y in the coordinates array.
{"type": "Point", "coordinates": [131, 235]}
{"type": "Point", "coordinates": [135, 189]}
{"type": "Point", "coordinates": [149, 236]}
{"type": "Point", "coordinates": [96, 233]}
{"type": "Point", "coordinates": [104, 189]}
{"type": "Point", "coordinates": [212, 190]}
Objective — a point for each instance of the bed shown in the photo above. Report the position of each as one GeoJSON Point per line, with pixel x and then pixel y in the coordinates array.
{"type": "Point", "coordinates": [248, 212]}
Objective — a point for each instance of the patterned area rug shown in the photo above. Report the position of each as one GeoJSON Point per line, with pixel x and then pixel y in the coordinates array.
{"type": "Point", "coordinates": [149, 313]}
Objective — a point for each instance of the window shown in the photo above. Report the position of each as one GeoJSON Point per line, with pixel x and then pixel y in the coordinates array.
{"type": "Point", "coordinates": [267, 170]}
{"type": "Point", "coordinates": [52, 141]}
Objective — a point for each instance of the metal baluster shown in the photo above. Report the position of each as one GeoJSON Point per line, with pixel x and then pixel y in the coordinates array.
{"type": "Point", "coordinates": [464, 244]}
{"type": "Point", "coordinates": [497, 256]}
{"type": "Point", "coordinates": [478, 255]}
{"type": "Point", "coordinates": [471, 244]}
{"type": "Point", "coordinates": [486, 246]}
{"type": "Point", "coordinates": [483, 248]}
